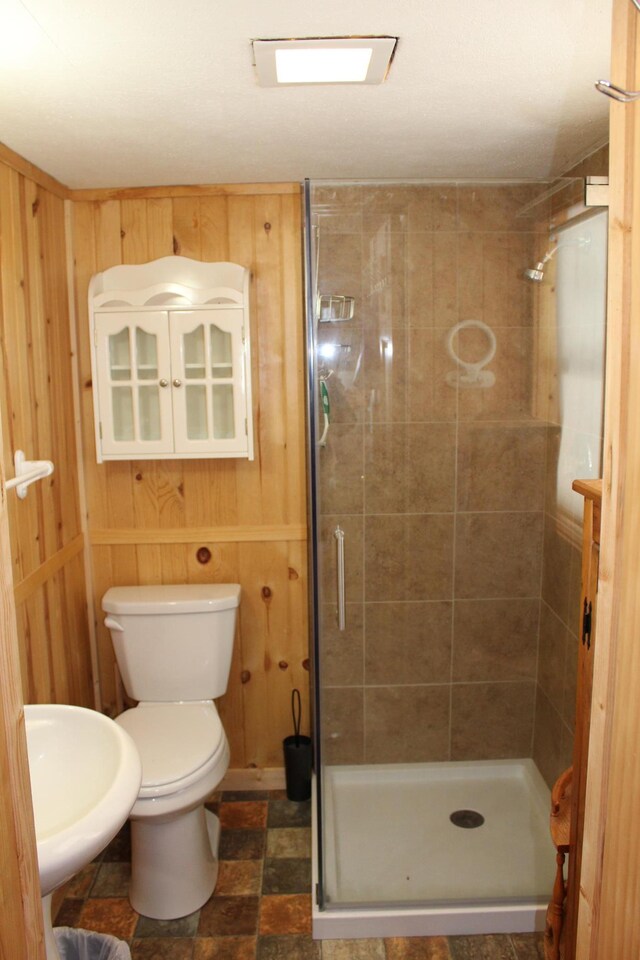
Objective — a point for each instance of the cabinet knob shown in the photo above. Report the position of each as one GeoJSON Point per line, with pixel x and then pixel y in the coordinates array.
{"type": "Point", "coordinates": [177, 383]}
{"type": "Point", "coordinates": [163, 382]}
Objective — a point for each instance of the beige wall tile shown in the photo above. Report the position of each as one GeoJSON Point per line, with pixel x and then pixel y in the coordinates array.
{"type": "Point", "coordinates": [552, 656]}
{"type": "Point", "coordinates": [510, 396]}
{"type": "Point", "coordinates": [342, 469]}
{"type": "Point", "coordinates": [338, 209]}
{"type": "Point", "coordinates": [432, 279]}
{"type": "Point", "coordinates": [429, 396]}
{"type": "Point", "coordinates": [342, 651]}
{"type": "Point", "coordinates": [409, 557]}
{"type": "Point", "coordinates": [342, 713]}
{"type": "Point", "coordinates": [491, 285]}
{"type": "Point", "coordinates": [340, 265]}
{"type": "Point", "coordinates": [498, 555]}
{"type": "Point", "coordinates": [500, 467]}
{"type": "Point", "coordinates": [407, 643]}
{"type": "Point", "coordinates": [491, 208]}
{"type": "Point", "coordinates": [406, 724]}
{"type": "Point", "coordinates": [491, 720]}
{"type": "Point", "coordinates": [345, 385]}
{"type": "Point", "coordinates": [386, 375]}
{"type": "Point", "coordinates": [495, 640]}
{"type": "Point", "coordinates": [552, 746]}
{"type": "Point", "coordinates": [352, 527]}
{"type": "Point", "coordinates": [384, 270]}
{"type": "Point", "coordinates": [410, 468]}
{"type": "Point", "coordinates": [556, 571]}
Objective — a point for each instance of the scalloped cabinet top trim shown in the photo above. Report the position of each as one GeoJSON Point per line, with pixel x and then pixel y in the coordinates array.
{"type": "Point", "coordinates": [170, 281]}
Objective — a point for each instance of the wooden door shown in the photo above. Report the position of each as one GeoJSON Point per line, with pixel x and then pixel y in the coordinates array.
{"type": "Point", "coordinates": [609, 909]}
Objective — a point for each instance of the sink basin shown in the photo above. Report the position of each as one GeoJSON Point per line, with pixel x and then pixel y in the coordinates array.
{"type": "Point", "coordinates": [85, 777]}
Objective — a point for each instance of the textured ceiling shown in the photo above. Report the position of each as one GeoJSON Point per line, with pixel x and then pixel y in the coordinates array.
{"type": "Point", "coordinates": [143, 92]}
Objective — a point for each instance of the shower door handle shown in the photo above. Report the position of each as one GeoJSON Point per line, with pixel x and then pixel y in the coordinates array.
{"type": "Point", "coordinates": [342, 616]}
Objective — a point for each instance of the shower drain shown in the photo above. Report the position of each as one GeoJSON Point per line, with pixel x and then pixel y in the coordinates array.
{"type": "Point", "coordinates": [467, 819]}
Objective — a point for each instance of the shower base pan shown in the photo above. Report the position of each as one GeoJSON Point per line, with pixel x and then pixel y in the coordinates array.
{"type": "Point", "coordinates": [396, 865]}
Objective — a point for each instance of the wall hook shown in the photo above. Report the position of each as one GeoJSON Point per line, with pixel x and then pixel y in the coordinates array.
{"type": "Point", "coordinates": [617, 93]}
{"type": "Point", "coordinates": [26, 472]}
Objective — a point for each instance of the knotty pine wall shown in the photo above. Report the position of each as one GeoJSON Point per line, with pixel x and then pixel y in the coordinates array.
{"type": "Point", "coordinates": [148, 520]}
{"type": "Point", "coordinates": [38, 417]}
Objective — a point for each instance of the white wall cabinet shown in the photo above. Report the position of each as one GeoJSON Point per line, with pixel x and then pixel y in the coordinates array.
{"type": "Point", "coordinates": [171, 360]}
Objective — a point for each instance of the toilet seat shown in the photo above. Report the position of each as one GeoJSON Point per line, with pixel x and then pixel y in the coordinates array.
{"type": "Point", "coordinates": [178, 743]}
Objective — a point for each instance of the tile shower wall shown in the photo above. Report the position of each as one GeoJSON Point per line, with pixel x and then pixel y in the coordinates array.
{"type": "Point", "coordinates": [439, 489]}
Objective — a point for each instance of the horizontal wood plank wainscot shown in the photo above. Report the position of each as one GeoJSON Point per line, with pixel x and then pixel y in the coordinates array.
{"type": "Point", "coordinates": [197, 535]}
{"type": "Point", "coordinates": [223, 520]}
{"type": "Point", "coordinates": [38, 417]}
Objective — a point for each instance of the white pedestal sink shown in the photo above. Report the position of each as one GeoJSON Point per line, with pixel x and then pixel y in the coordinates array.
{"type": "Point", "coordinates": [85, 777]}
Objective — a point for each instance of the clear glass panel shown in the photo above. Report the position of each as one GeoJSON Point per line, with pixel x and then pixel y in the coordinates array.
{"type": "Point", "coordinates": [221, 353]}
{"type": "Point", "coordinates": [194, 360]}
{"type": "Point", "coordinates": [146, 355]}
{"type": "Point", "coordinates": [149, 413]}
{"type": "Point", "coordinates": [223, 415]}
{"type": "Point", "coordinates": [122, 410]}
{"type": "Point", "coordinates": [197, 426]}
{"type": "Point", "coordinates": [444, 407]}
{"type": "Point", "coordinates": [120, 355]}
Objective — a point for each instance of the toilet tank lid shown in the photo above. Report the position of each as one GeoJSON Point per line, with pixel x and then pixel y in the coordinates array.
{"type": "Point", "coordinates": [172, 598]}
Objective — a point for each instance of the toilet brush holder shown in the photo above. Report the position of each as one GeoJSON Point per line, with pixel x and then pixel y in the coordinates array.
{"type": "Point", "coordinates": [297, 756]}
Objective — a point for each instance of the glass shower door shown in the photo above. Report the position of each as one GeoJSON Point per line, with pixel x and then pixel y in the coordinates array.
{"type": "Point", "coordinates": [440, 616]}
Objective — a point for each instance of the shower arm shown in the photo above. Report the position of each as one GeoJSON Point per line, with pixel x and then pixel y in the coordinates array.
{"type": "Point", "coordinates": [550, 254]}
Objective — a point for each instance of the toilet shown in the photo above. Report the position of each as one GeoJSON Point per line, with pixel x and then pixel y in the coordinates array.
{"type": "Point", "coordinates": [173, 644]}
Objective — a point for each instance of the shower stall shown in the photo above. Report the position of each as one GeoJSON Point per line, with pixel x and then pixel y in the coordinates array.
{"type": "Point", "coordinates": [452, 397]}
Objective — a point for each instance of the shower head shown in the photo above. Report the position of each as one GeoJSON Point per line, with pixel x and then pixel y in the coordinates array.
{"type": "Point", "coordinates": [536, 274]}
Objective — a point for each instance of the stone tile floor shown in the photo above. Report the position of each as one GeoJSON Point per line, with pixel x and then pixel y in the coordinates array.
{"type": "Point", "coordinates": [261, 909]}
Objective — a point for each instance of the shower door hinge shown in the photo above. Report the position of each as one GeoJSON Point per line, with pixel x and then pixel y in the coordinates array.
{"type": "Point", "coordinates": [586, 623]}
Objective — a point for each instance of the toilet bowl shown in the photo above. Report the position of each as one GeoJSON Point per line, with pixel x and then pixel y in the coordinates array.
{"type": "Point", "coordinates": [173, 645]}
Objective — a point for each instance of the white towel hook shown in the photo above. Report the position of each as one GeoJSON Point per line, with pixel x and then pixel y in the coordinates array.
{"type": "Point", "coordinates": [26, 472]}
{"type": "Point", "coordinates": [471, 373]}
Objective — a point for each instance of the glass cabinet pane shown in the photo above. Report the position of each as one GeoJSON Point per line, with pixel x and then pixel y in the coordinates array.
{"type": "Point", "coordinates": [122, 411]}
{"type": "Point", "coordinates": [221, 353]}
{"type": "Point", "coordinates": [149, 413]}
{"type": "Point", "coordinates": [223, 416]}
{"type": "Point", "coordinates": [146, 355]}
{"type": "Point", "coordinates": [194, 361]}
{"type": "Point", "coordinates": [120, 355]}
{"type": "Point", "coordinates": [197, 426]}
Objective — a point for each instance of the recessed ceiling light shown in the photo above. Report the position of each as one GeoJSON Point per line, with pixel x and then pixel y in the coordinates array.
{"type": "Point", "coordinates": [323, 60]}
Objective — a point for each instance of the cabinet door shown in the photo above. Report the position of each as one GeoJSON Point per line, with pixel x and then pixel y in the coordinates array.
{"type": "Point", "coordinates": [209, 389]}
{"type": "Point", "coordinates": [134, 377]}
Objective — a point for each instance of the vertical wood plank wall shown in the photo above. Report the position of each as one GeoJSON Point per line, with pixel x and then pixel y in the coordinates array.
{"type": "Point", "coordinates": [38, 417]}
{"type": "Point", "coordinates": [148, 519]}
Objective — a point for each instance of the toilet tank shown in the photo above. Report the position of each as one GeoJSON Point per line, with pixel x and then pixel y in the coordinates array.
{"type": "Point", "coordinates": [173, 642]}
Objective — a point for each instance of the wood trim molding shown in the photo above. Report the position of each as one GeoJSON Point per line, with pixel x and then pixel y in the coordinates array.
{"type": "Point", "coordinates": [257, 534]}
{"type": "Point", "coordinates": [27, 169]}
{"type": "Point", "coordinates": [187, 190]}
{"type": "Point", "coordinates": [21, 921]}
{"type": "Point", "coordinates": [254, 778]}
{"type": "Point", "coordinates": [25, 588]}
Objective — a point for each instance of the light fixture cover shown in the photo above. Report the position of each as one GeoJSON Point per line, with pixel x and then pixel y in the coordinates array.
{"type": "Point", "coordinates": [323, 60]}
